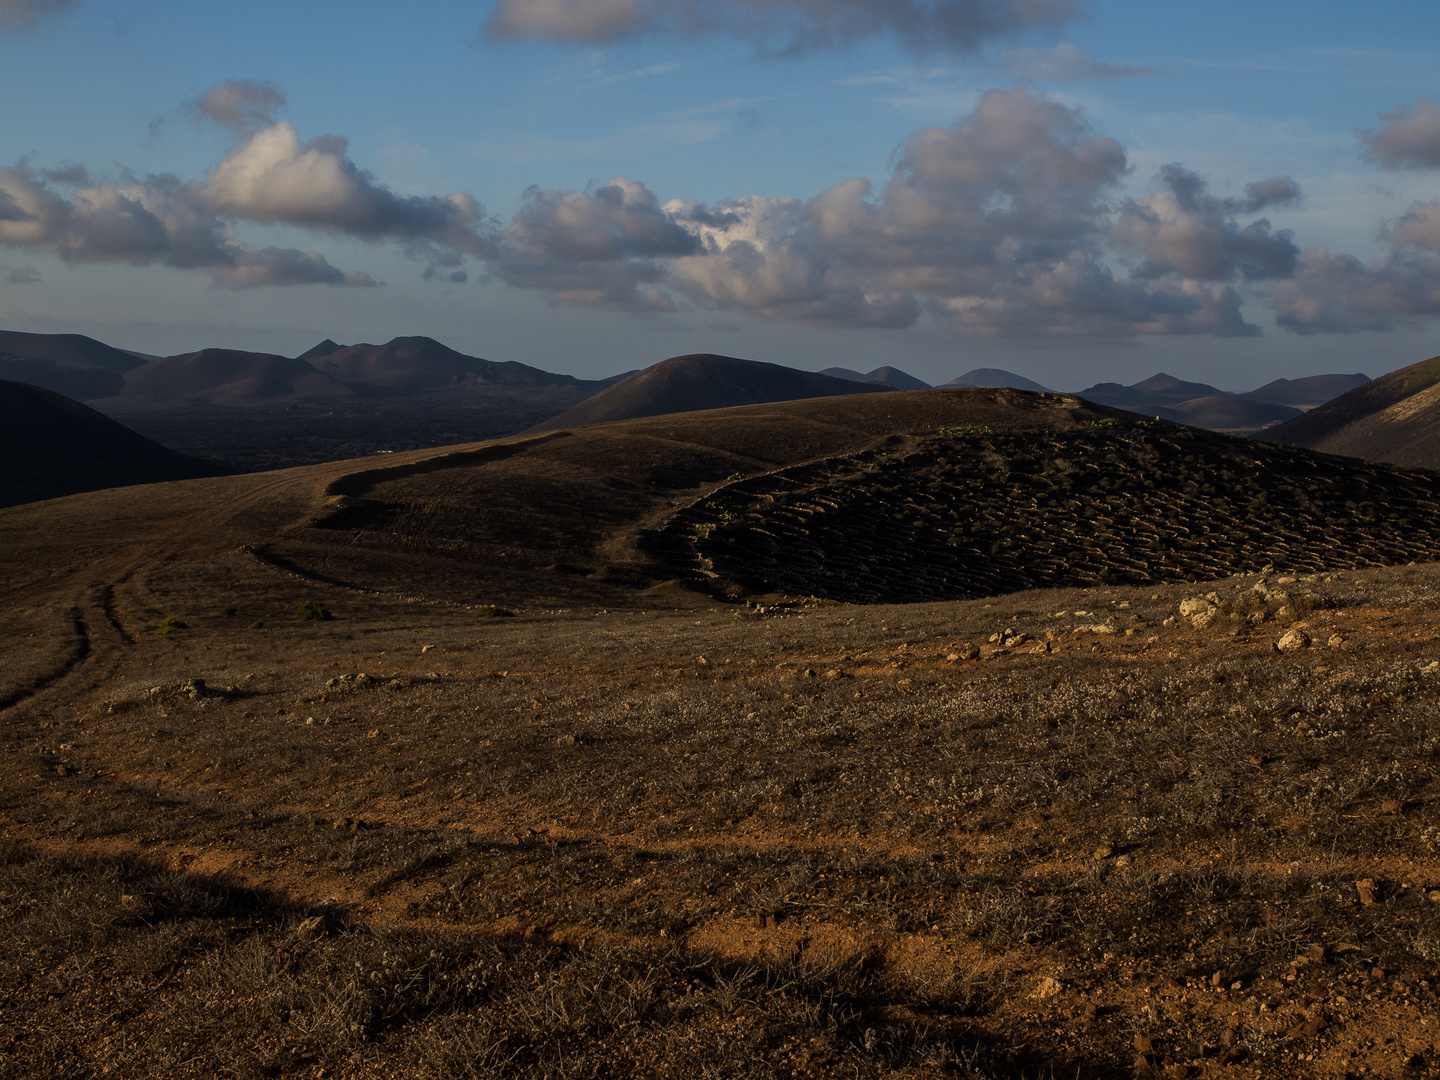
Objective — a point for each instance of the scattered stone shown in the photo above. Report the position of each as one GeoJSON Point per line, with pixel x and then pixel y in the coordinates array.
{"type": "Point", "coordinates": [564, 740]}
{"type": "Point", "coordinates": [1047, 988]}
{"type": "Point", "coordinates": [1229, 1037]}
{"type": "Point", "coordinates": [1016, 639]}
{"type": "Point", "coordinates": [1090, 1012]}
{"type": "Point", "coordinates": [703, 661]}
{"type": "Point", "coordinates": [1433, 896]}
{"type": "Point", "coordinates": [1217, 979]}
{"type": "Point", "coordinates": [1196, 605]}
{"type": "Point", "coordinates": [196, 689]}
{"type": "Point", "coordinates": [1168, 622]}
{"type": "Point", "coordinates": [427, 648]}
{"type": "Point", "coordinates": [1177, 1071]}
{"type": "Point", "coordinates": [61, 770]}
{"type": "Point", "coordinates": [1124, 860]}
{"type": "Point", "coordinates": [904, 686]}
{"type": "Point", "coordinates": [1143, 1045]}
{"type": "Point", "coordinates": [1392, 806]}
{"type": "Point", "coordinates": [1366, 888]}
{"type": "Point", "coordinates": [1316, 952]}
{"type": "Point", "coordinates": [374, 733]}
{"type": "Point", "coordinates": [1104, 851]}
{"type": "Point", "coordinates": [1309, 1029]}
{"type": "Point", "coordinates": [1204, 619]}
{"type": "Point", "coordinates": [1291, 640]}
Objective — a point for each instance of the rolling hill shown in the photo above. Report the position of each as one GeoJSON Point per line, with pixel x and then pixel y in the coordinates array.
{"type": "Point", "coordinates": [413, 365]}
{"type": "Point", "coordinates": [51, 446]}
{"type": "Point", "coordinates": [71, 364]}
{"type": "Point", "coordinates": [993, 378]}
{"type": "Point", "coordinates": [892, 377]}
{"type": "Point", "coordinates": [702, 381]}
{"type": "Point", "coordinates": [227, 377]}
{"type": "Point", "coordinates": [1308, 392]}
{"type": "Point", "coordinates": [1395, 418]}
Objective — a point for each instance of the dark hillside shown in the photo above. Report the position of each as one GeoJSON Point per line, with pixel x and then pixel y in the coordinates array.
{"type": "Point", "coordinates": [71, 364]}
{"type": "Point", "coordinates": [1394, 418]}
{"type": "Point", "coordinates": [702, 381]}
{"type": "Point", "coordinates": [410, 365]}
{"type": "Point", "coordinates": [52, 446]}
{"type": "Point", "coordinates": [227, 377]}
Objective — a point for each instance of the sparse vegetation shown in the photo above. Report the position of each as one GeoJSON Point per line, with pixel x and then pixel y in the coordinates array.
{"type": "Point", "coordinates": [313, 611]}
{"type": "Point", "coordinates": [491, 611]}
{"type": "Point", "coordinates": [643, 833]}
{"type": "Point", "coordinates": [170, 626]}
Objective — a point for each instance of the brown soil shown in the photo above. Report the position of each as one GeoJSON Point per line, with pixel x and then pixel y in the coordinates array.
{"type": "Point", "coordinates": [632, 831]}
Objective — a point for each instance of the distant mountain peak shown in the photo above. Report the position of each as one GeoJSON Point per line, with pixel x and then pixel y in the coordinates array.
{"type": "Point", "coordinates": [994, 379]}
{"type": "Point", "coordinates": [325, 348]}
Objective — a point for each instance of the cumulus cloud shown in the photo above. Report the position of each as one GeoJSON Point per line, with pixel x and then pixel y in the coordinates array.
{"type": "Point", "coordinates": [1066, 62]}
{"type": "Point", "coordinates": [159, 220]}
{"type": "Point", "coordinates": [783, 26]}
{"type": "Point", "coordinates": [1337, 293]}
{"type": "Point", "coordinates": [998, 223]}
{"type": "Point", "coordinates": [1408, 138]}
{"type": "Point", "coordinates": [273, 178]}
{"type": "Point", "coordinates": [241, 105]}
{"type": "Point", "coordinates": [26, 15]}
{"type": "Point", "coordinates": [602, 247]}
{"type": "Point", "coordinates": [1182, 229]}
{"type": "Point", "coordinates": [269, 177]}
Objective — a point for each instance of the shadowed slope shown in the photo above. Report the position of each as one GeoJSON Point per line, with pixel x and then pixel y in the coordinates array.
{"type": "Point", "coordinates": [1227, 412]}
{"type": "Point", "coordinates": [993, 378]}
{"type": "Point", "coordinates": [409, 365]}
{"type": "Point", "coordinates": [1306, 393]}
{"type": "Point", "coordinates": [71, 364]}
{"type": "Point", "coordinates": [52, 446]}
{"type": "Point", "coordinates": [1394, 418]}
{"type": "Point", "coordinates": [702, 381]}
{"type": "Point", "coordinates": [227, 377]}
{"type": "Point", "coordinates": [889, 376]}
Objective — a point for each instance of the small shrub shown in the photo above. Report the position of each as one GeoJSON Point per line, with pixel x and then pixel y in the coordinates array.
{"type": "Point", "coordinates": [228, 612]}
{"type": "Point", "coordinates": [169, 626]}
{"type": "Point", "coordinates": [490, 611]}
{"type": "Point", "coordinates": [313, 611]}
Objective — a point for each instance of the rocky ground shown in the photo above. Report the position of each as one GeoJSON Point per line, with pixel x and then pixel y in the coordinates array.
{"type": "Point", "coordinates": [421, 770]}
{"type": "Point", "coordinates": [1188, 831]}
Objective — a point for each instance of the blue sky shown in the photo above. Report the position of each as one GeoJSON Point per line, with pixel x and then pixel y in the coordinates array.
{"type": "Point", "coordinates": [1073, 191]}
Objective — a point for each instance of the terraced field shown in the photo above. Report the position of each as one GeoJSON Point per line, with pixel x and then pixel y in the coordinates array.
{"type": "Point", "coordinates": [970, 512]}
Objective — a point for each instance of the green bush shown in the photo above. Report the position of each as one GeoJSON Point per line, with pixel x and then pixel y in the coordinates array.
{"type": "Point", "coordinates": [169, 626]}
{"type": "Point", "coordinates": [490, 611]}
{"type": "Point", "coordinates": [313, 611]}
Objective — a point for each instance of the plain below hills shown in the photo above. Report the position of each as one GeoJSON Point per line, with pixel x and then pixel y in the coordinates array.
{"type": "Point", "coordinates": [1395, 418]}
{"type": "Point", "coordinates": [51, 445]}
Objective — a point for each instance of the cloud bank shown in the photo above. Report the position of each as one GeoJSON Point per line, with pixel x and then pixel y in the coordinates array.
{"type": "Point", "coordinates": [1001, 224]}
{"type": "Point", "coordinates": [1007, 223]}
{"type": "Point", "coordinates": [783, 27]}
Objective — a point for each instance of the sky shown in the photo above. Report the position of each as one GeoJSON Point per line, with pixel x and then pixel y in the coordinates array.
{"type": "Point", "coordinates": [1073, 190]}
